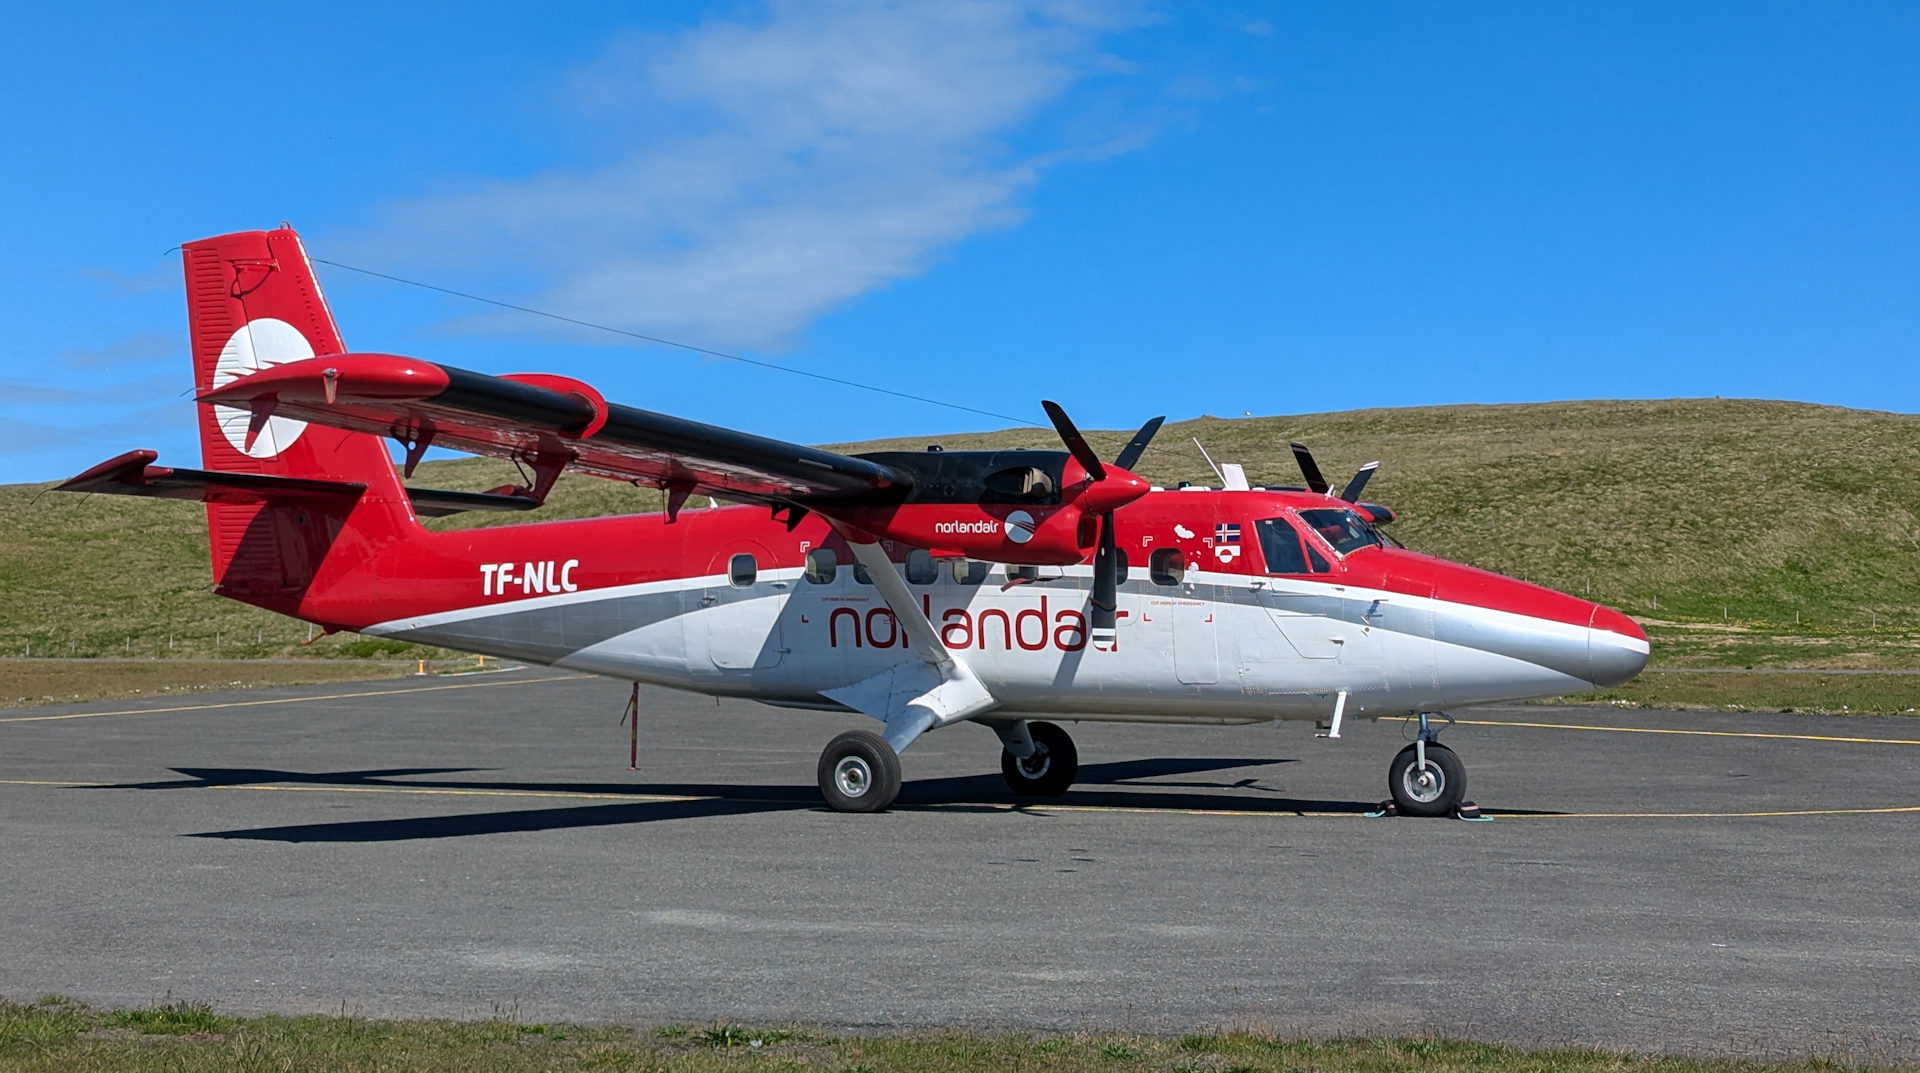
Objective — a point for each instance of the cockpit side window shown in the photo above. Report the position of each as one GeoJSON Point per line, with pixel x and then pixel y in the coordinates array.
{"type": "Point", "coordinates": [1281, 545]}
{"type": "Point", "coordinates": [1286, 552]}
{"type": "Point", "coordinates": [1019, 484]}
{"type": "Point", "coordinates": [1343, 530]}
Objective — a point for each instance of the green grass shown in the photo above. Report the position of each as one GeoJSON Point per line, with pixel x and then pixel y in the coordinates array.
{"type": "Point", "coordinates": [1821, 692]}
{"type": "Point", "coordinates": [66, 1036]}
{"type": "Point", "coordinates": [1793, 523]}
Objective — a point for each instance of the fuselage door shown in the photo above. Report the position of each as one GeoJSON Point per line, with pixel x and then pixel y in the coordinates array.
{"type": "Point", "coordinates": [739, 609]}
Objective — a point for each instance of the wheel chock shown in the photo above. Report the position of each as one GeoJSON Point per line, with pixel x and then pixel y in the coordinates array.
{"type": "Point", "coordinates": [1471, 813]}
{"type": "Point", "coordinates": [1387, 808]}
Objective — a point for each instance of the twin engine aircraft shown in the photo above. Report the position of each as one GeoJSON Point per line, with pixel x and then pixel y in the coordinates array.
{"type": "Point", "coordinates": [1012, 589]}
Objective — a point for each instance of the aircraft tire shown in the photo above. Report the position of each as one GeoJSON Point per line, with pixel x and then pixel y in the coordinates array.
{"type": "Point", "coordinates": [1050, 770]}
{"type": "Point", "coordinates": [859, 772]}
{"type": "Point", "coordinates": [1438, 797]}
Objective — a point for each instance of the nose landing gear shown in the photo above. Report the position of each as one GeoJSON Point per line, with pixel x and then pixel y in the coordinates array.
{"type": "Point", "coordinates": [1426, 778]}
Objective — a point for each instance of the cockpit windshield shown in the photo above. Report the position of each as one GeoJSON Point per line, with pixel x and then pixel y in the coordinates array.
{"type": "Point", "coordinates": [1343, 529]}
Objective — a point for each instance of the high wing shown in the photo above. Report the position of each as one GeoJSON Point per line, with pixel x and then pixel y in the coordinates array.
{"type": "Point", "coordinates": [549, 424]}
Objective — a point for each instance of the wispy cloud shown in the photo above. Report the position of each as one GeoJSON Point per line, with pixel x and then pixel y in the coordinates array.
{"type": "Point", "coordinates": [141, 349]}
{"type": "Point", "coordinates": [761, 172]}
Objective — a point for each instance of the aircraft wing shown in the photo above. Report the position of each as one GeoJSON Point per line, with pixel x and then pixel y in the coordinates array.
{"type": "Point", "coordinates": [549, 423]}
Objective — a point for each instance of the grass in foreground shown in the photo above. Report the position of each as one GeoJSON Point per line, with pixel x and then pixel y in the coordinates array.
{"type": "Point", "coordinates": [59, 1034]}
{"type": "Point", "coordinates": [1822, 693]}
{"type": "Point", "coordinates": [62, 681]}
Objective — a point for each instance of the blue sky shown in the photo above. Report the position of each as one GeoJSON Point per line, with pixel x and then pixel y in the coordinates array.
{"type": "Point", "coordinates": [1133, 209]}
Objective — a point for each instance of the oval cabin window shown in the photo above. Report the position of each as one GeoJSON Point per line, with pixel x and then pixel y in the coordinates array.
{"type": "Point", "coordinates": [742, 569]}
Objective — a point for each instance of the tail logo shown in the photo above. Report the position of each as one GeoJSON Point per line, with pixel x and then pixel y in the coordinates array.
{"type": "Point", "coordinates": [259, 344]}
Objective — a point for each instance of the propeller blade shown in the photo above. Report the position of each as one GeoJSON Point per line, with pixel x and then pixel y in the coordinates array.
{"type": "Point", "coordinates": [1352, 491]}
{"type": "Point", "coordinates": [1309, 468]}
{"type": "Point", "coordinates": [1138, 445]}
{"type": "Point", "coordinates": [1075, 442]}
{"type": "Point", "coordinates": [1106, 586]}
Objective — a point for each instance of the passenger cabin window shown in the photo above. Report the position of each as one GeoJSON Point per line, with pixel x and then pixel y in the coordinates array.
{"type": "Point", "coordinates": [971, 571]}
{"type": "Point", "coordinates": [1167, 566]}
{"type": "Point", "coordinates": [860, 575]}
{"type": "Point", "coordinates": [1344, 530]}
{"type": "Point", "coordinates": [920, 567]}
{"type": "Point", "coordinates": [822, 565]}
{"type": "Point", "coordinates": [1022, 573]}
{"type": "Point", "coordinates": [1120, 565]}
{"type": "Point", "coordinates": [741, 570]}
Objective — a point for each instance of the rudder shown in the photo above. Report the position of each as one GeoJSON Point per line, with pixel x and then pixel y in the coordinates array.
{"type": "Point", "coordinates": [253, 302]}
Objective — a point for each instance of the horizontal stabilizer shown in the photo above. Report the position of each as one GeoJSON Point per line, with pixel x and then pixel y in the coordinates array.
{"type": "Point", "coordinates": [438, 503]}
{"type": "Point", "coordinates": [134, 474]}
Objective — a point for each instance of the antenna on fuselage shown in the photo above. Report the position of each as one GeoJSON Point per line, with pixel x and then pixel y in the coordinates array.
{"type": "Point", "coordinates": [1209, 458]}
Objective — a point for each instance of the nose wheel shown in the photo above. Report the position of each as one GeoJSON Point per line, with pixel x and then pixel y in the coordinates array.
{"type": "Point", "coordinates": [1426, 778]}
{"type": "Point", "coordinates": [859, 772]}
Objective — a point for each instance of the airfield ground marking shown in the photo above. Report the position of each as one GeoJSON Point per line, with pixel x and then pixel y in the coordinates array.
{"type": "Point", "coordinates": [289, 700]}
{"type": "Point", "coordinates": [1689, 733]}
{"type": "Point", "coordinates": [1146, 810]}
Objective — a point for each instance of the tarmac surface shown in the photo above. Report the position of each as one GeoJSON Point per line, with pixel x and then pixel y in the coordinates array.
{"type": "Point", "coordinates": [1653, 881]}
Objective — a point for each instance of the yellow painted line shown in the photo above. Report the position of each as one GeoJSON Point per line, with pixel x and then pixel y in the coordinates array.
{"type": "Point", "coordinates": [1705, 815]}
{"type": "Point", "coordinates": [48, 782]}
{"type": "Point", "coordinates": [1689, 733]}
{"type": "Point", "coordinates": [289, 700]}
{"type": "Point", "coordinates": [436, 791]}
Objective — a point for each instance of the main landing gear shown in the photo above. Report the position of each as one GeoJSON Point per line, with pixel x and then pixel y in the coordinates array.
{"type": "Point", "coordinates": [1426, 778]}
{"type": "Point", "coordinates": [1037, 759]}
{"type": "Point", "coordinates": [860, 772]}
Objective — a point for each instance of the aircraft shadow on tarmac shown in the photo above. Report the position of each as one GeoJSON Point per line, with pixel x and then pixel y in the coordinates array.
{"type": "Point", "coordinates": [1179, 785]}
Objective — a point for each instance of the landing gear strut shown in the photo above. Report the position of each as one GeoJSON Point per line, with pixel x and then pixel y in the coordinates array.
{"type": "Point", "coordinates": [1426, 778]}
{"type": "Point", "coordinates": [859, 772]}
{"type": "Point", "coordinates": [1049, 766]}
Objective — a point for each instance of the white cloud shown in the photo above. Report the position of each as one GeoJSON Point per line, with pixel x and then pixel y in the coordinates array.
{"type": "Point", "coordinates": [758, 173]}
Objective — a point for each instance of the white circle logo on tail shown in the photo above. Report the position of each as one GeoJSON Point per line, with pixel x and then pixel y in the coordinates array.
{"type": "Point", "coordinates": [259, 344]}
{"type": "Point", "coordinates": [1020, 527]}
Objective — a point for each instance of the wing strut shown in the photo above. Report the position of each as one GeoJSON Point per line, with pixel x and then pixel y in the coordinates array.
{"type": "Point", "coordinates": [933, 689]}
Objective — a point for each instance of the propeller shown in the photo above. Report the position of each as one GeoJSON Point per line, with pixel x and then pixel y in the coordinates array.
{"type": "Point", "coordinates": [1318, 482]}
{"type": "Point", "coordinates": [1106, 558]}
{"type": "Point", "coordinates": [1309, 468]}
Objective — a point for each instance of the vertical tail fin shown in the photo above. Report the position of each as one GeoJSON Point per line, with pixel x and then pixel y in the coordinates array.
{"type": "Point", "coordinates": [252, 302]}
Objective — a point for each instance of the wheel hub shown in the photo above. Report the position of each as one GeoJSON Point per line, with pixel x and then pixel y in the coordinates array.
{"type": "Point", "coordinates": [1036, 765]}
{"type": "Point", "coordinates": [1424, 783]}
{"type": "Point", "coordinates": [853, 776]}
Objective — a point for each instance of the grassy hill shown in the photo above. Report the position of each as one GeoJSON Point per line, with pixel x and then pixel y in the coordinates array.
{"type": "Point", "coordinates": [1745, 532]}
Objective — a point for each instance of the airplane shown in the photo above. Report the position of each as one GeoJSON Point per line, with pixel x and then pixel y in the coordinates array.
{"type": "Point", "coordinates": [1016, 589]}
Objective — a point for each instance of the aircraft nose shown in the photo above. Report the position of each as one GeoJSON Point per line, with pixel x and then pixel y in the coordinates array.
{"type": "Point", "coordinates": [1617, 647]}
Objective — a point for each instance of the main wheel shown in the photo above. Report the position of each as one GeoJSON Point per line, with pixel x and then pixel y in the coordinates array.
{"type": "Point", "coordinates": [859, 772]}
{"type": "Point", "coordinates": [1435, 790]}
{"type": "Point", "coordinates": [1051, 768]}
